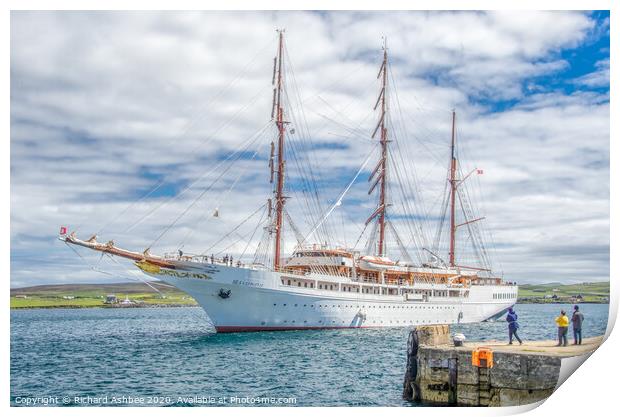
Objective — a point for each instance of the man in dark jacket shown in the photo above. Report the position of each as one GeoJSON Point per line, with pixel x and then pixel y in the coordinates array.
{"type": "Point", "coordinates": [511, 318]}
{"type": "Point", "coordinates": [577, 320]}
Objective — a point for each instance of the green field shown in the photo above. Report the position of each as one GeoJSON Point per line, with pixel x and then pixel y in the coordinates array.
{"type": "Point", "coordinates": [94, 295]}
{"type": "Point", "coordinates": [593, 292]}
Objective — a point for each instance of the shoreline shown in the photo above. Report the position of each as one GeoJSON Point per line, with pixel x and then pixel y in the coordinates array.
{"type": "Point", "coordinates": [105, 307]}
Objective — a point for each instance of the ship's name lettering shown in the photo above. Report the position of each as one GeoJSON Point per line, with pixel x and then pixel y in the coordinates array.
{"type": "Point", "coordinates": [247, 283]}
{"type": "Point", "coordinates": [183, 274]}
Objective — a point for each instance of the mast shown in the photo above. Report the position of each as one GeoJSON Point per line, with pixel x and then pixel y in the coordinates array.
{"type": "Point", "coordinates": [380, 169]}
{"type": "Point", "coordinates": [279, 197]}
{"type": "Point", "coordinates": [453, 186]}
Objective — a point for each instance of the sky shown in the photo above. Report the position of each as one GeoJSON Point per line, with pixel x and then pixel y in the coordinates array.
{"type": "Point", "coordinates": [126, 123]}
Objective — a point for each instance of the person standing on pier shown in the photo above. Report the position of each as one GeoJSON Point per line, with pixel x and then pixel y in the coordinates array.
{"type": "Point", "coordinates": [577, 320]}
{"type": "Point", "coordinates": [511, 318]}
{"type": "Point", "coordinates": [562, 322]}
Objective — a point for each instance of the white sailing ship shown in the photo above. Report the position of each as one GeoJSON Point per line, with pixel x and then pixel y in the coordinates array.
{"type": "Point", "coordinates": [322, 286]}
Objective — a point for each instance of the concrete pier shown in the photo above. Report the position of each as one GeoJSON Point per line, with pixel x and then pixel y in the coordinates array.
{"type": "Point", "coordinates": [440, 373]}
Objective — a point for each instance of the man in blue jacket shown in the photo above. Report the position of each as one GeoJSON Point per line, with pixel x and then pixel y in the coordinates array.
{"type": "Point", "coordinates": [577, 320]}
{"type": "Point", "coordinates": [511, 318]}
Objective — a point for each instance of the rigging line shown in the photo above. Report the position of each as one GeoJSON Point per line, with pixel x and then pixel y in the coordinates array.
{"type": "Point", "coordinates": [339, 200]}
{"type": "Point", "coordinates": [200, 145]}
{"type": "Point", "coordinates": [206, 213]}
{"type": "Point", "coordinates": [234, 230]}
{"type": "Point", "coordinates": [199, 114]}
{"type": "Point", "coordinates": [306, 151]}
{"type": "Point", "coordinates": [418, 201]}
{"type": "Point", "coordinates": [356, 132]}
{"type": "Point", "coordinates": [407, 207]}
{"type": "Point", "coordinates": [234, 243]}
{"type": "Point", "coordinates": [311, 151]}
{"type": "Point", "coordinates": [242, 148]}
{"type": "Point", "coordinates": [466, 212]}
{"type": "Point", "coordinates": [95, 269]}
{"type": "Point", "coordinates": [260, 221]}
{"type": "Point", "coordinates": [199, 197]}
{"type": "Point", "coordinates": [401, 246]}
{"type": "Point", "coordinates": [144, 281]}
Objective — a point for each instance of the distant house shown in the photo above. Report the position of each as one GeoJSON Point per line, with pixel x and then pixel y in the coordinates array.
{"type": "Point", "coordinates": [579, 297]}
{"type": "Point", "coordinates": [127, 301]}
{"type": "Point", "coordinates": [548, 296]}
{"type": "Point", "coordinates": [68, 297]}
{"type": "Point", "coordinates": [21, 296]}
{"type": "Point", "coordinates": [111, 299]}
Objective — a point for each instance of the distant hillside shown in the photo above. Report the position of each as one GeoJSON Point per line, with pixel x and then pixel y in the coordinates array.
{"type": "Point", "coordinates": [99, 295]}
{"type": "Point", "coordinates": [555, 292]}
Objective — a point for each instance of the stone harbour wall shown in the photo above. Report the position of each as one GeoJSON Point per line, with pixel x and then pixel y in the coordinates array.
{"type": "Point", "coordinates": [440, 373]}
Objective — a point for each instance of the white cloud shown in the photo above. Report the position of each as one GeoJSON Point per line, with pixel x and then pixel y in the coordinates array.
{"type": "Point", "coordinates": [598, 78]}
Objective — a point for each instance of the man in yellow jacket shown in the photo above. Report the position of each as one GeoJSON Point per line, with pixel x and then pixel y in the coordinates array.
{"type": "Point", "coordinates": [562, 322]}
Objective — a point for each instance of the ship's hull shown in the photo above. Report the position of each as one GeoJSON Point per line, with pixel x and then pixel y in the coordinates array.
{"type": "Point", "coordinates": [238, 300]}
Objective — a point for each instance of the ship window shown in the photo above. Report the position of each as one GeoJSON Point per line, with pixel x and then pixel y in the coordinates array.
{"type": "Point", "coordinates": [295, 305]}
{"type": "Point", "coordinates": [274, 305]}
{"type": "Point", "coordinates": [284, 305]}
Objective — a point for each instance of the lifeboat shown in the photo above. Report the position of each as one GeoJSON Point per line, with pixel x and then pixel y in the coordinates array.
{"type": "Point", "coordinates": [376, 263]}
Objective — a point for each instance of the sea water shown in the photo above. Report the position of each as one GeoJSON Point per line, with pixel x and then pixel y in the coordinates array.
{"type": "Point", "coordinates": [171, 357]}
